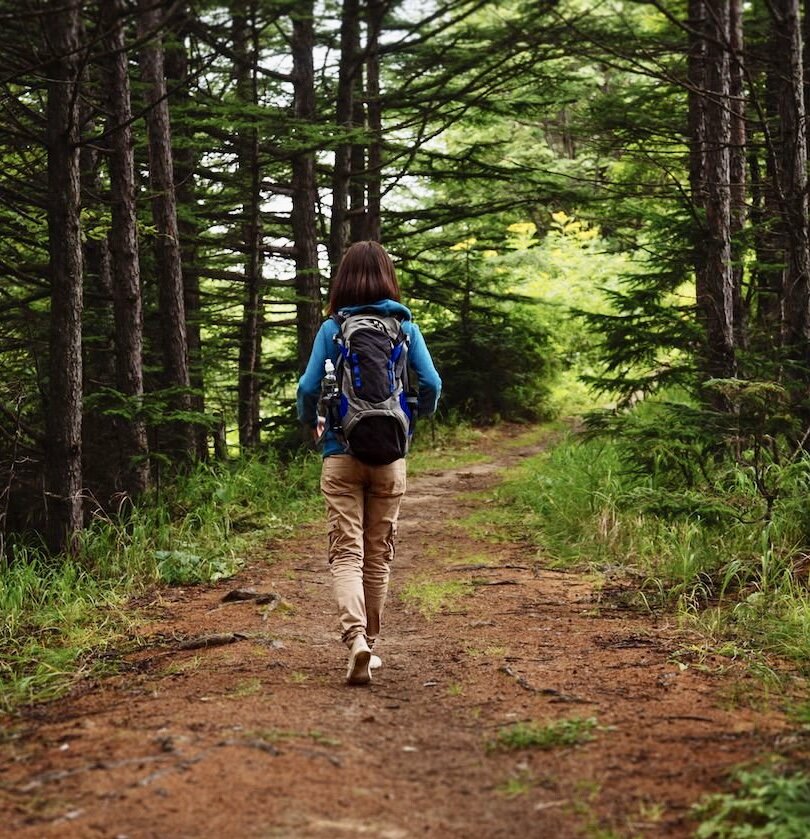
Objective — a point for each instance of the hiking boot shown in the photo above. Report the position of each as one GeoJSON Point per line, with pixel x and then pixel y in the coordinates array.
{"type": "Point", "coordinates": [359, 671]}
{"type": "Point", "coordinates": [375, 662]}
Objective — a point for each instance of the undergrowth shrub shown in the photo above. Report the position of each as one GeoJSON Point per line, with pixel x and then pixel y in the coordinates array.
{"type": "Point", "coordinates": [496, 365]}
{"type": "Point", "coordinates": [718, 551]}
{"type": "Point", "coordinates": [766, 802]}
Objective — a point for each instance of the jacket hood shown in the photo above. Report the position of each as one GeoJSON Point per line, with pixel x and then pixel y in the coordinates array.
{"type": "Point", "coordinates": [386, 308]}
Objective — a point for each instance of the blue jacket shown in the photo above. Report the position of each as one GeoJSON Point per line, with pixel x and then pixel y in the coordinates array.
{"type": "Point", "coordinates": [309, 386]}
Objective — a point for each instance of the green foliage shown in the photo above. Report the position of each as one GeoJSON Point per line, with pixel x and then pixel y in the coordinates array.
{"type": "Point", "coordinates": [495, 365]}
{"type": "Point", "coordinates": [733, 463]}
{"type": "Point", "coordinates": [183, 568]}
{"type": "Point", "coordinates": [767, 802]}
{"type": "Point", "coordinates": [560, 733]}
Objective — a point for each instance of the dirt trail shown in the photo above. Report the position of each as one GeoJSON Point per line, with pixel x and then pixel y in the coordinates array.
{"type": "Point", "coordinates": [260, 738]}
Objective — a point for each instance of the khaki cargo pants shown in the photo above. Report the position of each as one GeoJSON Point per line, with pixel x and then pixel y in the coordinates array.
{"type": "Point", "coordinates": [362, 505]}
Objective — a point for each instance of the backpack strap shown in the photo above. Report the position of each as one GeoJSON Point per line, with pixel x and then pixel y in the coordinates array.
{"type": "Point", "coordinates": [338, 337]}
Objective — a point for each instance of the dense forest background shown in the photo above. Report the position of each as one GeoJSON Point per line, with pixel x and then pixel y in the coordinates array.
{"type": "Point", "coordinates": [613, 193]}
{"type": "Point", "coordinates": [598, 209]}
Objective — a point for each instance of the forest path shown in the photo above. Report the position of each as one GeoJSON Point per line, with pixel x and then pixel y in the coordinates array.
{"type": "Point", "coordinates": [261, 738]}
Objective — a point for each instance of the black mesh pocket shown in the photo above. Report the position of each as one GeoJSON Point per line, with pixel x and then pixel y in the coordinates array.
{"type": "Point", "coordinates": [369, 362]}
{"type": "Point", "coordinates": [378, 440]}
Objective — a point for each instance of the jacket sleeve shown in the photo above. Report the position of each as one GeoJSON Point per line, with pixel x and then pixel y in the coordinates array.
{"type": "Point", "coordinates": [430, 385]}
{"type": "Point", "coordinates": [309, 385]}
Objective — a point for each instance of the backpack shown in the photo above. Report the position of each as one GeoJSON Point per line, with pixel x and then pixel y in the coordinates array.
{"type": "Point", "coordinates": [375, 413]}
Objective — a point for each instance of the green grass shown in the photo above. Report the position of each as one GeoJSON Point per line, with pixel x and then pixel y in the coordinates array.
{"type": "Point", "coordinates": [437, 447]}
{"type": "Point", "coordinates": [766, 803]}
{"type": "Point", "coordinates": [516, 785]}
{"type": "Point", "coordinates": [430, 596]}
{"type": "Point", "coordinates": [245, 688]}
{"type": "Point", "coordinates": [493, 524]}
{"type": "Point", "coordinates": [60, 615]}
{"type": "Point", "coordinates": [727, 576]}
{"type": "Point", "coordinates": [532, 735]}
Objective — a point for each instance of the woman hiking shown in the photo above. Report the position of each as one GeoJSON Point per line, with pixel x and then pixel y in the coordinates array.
{"type": "Point", "coordinates": [371, 339]}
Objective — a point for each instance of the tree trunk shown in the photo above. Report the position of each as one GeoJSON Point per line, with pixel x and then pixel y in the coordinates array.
{"type": "Point", "coordinates": [339, 226]}
{"type": "Point", "coordinates": [737, 169]}
{"type": "Point", "coordinates": [805, 16]}
{"type": "Point", "coordinates": [793, 180]}
{"type": "Point", "coordinates": [767, 219]}
{"type": "Point", "coordinates": [376, 12]}
{"type": "Point", "coordinates": [185, 165]}
{"type": "Point", "coordinates": [101, 459]}
{"type": "Point", "coordinates": [99, 361]}
{"type": "Point", "coordinates": [715, 295]}
{"type": "Point", "coordinates": [305, 194]}
{"type": "Point", "coordinates": [357, 166]}
{"type": "Point", "coordinates": [164, 214]}
{"type": "Point", "coordinates": [123, 242]}
{"type": "Point", "coordinates": [246, 52]}
{"type": "Point", "coordinates": [64, 414]}
{"type": "Point", "coordinates": [696, 81]}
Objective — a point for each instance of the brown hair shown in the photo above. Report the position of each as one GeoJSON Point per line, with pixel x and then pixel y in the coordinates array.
{"type": "Point", "coordinates": [365, 275]}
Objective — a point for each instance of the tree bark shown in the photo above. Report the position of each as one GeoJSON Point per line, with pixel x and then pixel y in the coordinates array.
{"type": "Point", "coordinates": [767, 216]}
{"type": "Point", "coordinates": [97, 328]}
{"type": "Point", "coordinates": [246, 52]}
{"type": "Point", "coordinates": [737, 165]}
{"type": "Point", "coordinates": [793, 180]}
{"type": "Point", "coordinates": [164, 214]}
{"type": "Point", "coordinates": [185, 166]}
{"type": "Point", "coordinates": [123, 243]}
{"type": "Point", "coordinates": [101, 450]}
{"type": "Point", "coordinates": [305, 194]}
{"type": "Point", "coordinates": [339, 225]}
{"type": "Point", "coordinates": [696, 81]}
{"type": "Point", "coordinates": [715, 296]}
{"type": "Point", "coordinates": [64, 414]}
{"type": "Point", "coordinates": [357, 166]}
{"type": "Point", "coordinates": [376, 12]}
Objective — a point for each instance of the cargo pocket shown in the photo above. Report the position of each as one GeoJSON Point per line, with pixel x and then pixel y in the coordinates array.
{"type": "Point", "coordinates": [391, 542]}
{"type": "Point", "coordinates": [333, 531]}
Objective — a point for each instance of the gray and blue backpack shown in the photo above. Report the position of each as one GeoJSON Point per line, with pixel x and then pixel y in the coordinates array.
{"type": "Point", "coordinates": [375, 413]}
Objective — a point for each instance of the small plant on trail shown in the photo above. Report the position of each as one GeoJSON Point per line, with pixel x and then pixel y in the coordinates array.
{"type": "Point", "coordinates": [800, 713]}
{"type": "Point", "coordinates": [431, 596]}
{"type": "Point", "coordinates": [189, 665]}
{"type": "Point", "coordinates": [532, 735]}
{"type": "Point", "coordinates": [277, 735]}
{"type": "Point", "coordinates": [248, 687]}
{"type": "Point", "coordinates": [517, 785]}
{"type": "Point", "coordinates": [472, 561]}
{"type": "Point", "coordinates": [487, 652]}
{"type": "Point", "coordinates": [767, 803]}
